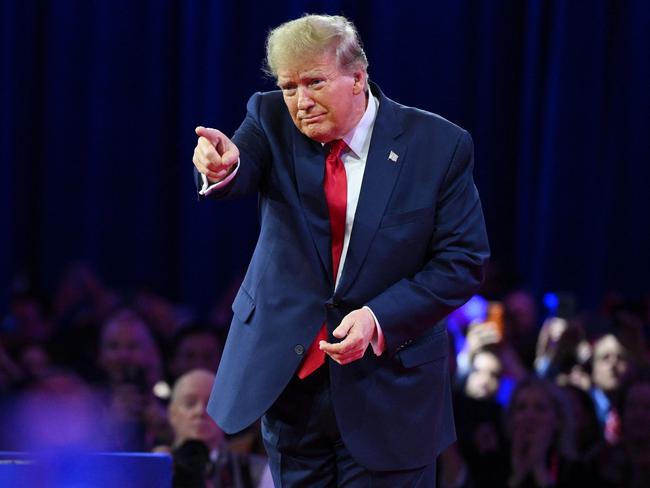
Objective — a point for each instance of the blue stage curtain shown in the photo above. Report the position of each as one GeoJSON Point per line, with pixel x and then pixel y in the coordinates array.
{"type": "Point", "coordinates": [99, 99]}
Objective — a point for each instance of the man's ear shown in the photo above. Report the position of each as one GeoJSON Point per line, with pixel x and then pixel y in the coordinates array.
{"type": "Point", "coordinates": [360, 79]}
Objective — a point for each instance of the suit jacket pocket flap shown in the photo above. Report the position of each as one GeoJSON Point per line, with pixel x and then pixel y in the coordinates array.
{"type": "Point", "coordinates": [432, 347]}
{"type": "Point", "coordinates": [243, 305]}
{"type": "Point", "coordinates": [406, 217]}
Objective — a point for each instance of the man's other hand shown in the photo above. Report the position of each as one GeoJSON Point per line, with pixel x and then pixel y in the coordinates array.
{"type": "Point", "coordinates": [356, 329]}
{"type": "Point", "coordinates": [215, 155]}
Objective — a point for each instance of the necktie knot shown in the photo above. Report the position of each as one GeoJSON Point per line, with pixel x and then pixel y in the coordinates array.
{"type": "Point", "coordinates": [337, 146]}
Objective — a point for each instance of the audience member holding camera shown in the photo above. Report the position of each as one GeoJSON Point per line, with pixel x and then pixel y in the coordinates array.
{"type": "Point", "coordinates": [201, 456]}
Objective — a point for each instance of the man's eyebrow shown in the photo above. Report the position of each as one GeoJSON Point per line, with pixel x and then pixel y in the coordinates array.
{"type": "Point", "coordinates": [318, 73]}
{"type": "Point", "coordinates": [305, 77]}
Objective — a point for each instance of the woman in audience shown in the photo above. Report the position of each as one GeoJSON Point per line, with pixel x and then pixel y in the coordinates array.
{"type": "Point", "coordinates": [542, 437]}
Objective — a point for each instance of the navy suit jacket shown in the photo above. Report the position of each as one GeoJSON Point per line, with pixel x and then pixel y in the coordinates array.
{"type": "Point", "coordinates": [417, 251]}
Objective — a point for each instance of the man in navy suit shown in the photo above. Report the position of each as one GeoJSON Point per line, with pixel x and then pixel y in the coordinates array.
{"type": "Point", "coordinates": [371, 233]}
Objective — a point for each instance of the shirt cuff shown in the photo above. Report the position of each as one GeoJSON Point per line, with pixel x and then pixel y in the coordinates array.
{"type": "Point", "coordinates": [377, 342]}
{"type": "Point", "coordinates": [208, 188]}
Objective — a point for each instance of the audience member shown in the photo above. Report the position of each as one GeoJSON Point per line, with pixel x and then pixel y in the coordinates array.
{"type": "Point", "coordinates": [27, 321]}
{"type": "Point", "coordinates": [609, 367]}
{"type": "Point", "coordinates": [627, 465]}
{"type": "Point", "coordinates": [163, 317]}
{"type": "Point", "coordinates": [588, 434]}
{"type": "Point", "coordinates": [542, 437]}
{"type": "Point", "coordinates": [484, 376]}
{"type": "Point", "coordinates": [201, 457]}
{"type": "Point", "coordinates": [562, 352]}
{"type": "Point", "coordinates": [198, 347]}
{"type": "Point", "coordinates": [34, 360]}
{"type": "Point", "coordinates": [130, 359]}
{"type": "Point", "coordinates": [81, 303]}
{"type": "Point", "coordinates": [478, 415]}
{"type": "Point", "coordinates": [521, 325]}
{"type": "Point", "coordinates": [194, 347]}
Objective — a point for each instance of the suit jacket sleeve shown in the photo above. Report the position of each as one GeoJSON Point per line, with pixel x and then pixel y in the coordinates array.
{"type": "Point", "coordinates": [458, 253]}
{"type": "Point", "coordinates": [254, 156]}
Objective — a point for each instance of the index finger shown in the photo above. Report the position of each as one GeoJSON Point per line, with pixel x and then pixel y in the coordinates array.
{"type": "Point", "coordinates": [213, 135]}
{"type": "Point", "coordinates": [206, 146]}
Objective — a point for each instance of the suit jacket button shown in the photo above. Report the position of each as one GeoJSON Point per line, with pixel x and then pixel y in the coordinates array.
{"type": "Point", "coordinates": [299, 350]}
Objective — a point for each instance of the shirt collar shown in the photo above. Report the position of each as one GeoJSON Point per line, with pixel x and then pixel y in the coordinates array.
{"type": "Point", "coordinates": [358, 139]}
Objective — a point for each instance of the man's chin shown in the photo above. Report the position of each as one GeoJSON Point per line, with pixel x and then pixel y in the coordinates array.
{"type": "Point", "coordinates": [318, 134]}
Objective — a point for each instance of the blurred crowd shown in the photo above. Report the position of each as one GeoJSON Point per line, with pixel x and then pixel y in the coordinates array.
{"type": "Point", "coordinates": [546, 394]}
{"type": "Point", "coordinates": [93, 369]}
{"type": "Point", "coordinates": [549, 395]}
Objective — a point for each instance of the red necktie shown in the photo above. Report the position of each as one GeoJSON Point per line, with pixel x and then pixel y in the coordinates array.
{"type": "Point", "coordinates": [336, 195]}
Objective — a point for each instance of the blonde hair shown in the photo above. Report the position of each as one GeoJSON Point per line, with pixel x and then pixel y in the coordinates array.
{"type": "Point", "coordinates": [311, 35]}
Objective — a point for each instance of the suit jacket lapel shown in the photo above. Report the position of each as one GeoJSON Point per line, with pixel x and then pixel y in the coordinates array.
{"type": "Point", "coordinates": [309, 160]}
{"type": "Point", "coordinates": [379, 178]}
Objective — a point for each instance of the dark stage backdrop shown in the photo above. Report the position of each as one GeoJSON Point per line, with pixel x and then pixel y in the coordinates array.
{"type": "Point", "coordinates": [99, 99]}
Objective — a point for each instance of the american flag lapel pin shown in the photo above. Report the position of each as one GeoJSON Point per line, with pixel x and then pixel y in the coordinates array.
{"type": "Point", "coordinates": [393, 156]}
